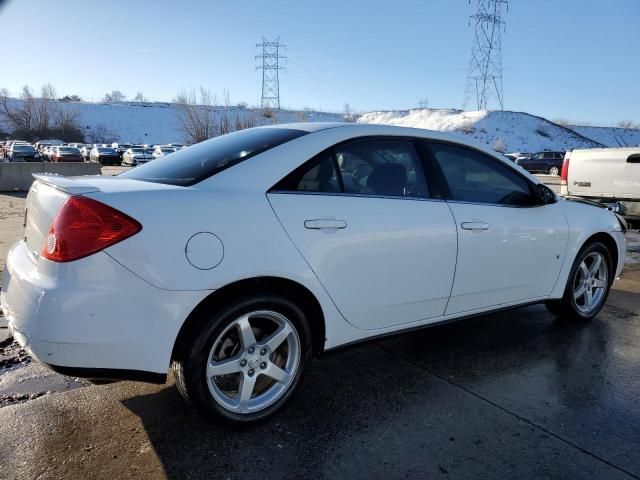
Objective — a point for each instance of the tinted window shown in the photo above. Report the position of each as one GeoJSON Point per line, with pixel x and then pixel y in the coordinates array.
{"type": "Point", "coordinates": [205, 159]}
{"type": "Point", "coordinates": [381, 167]}
{"type": "Point", "coordinates": [365, 167]}
{"type": "Point", "coordinates": [317, 175]}
{"type": "Point", "coordinates": [474, 177]}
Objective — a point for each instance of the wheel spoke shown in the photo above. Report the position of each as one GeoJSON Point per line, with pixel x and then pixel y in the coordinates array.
{"type": "Point", "coordinates": [246, 333]}
{"type": "Point", "coordinates": [589, 298]}
{"type": "Point", "coordinates": [584, 269]}
{"type": "Point", "coordinates": [245, 391]}
{"type": "Point", "coordinates": [596, 265]}
{"type": "Point", "coordinates": [579, 291]}
{"type": "Point", "coordinates": [276, 373]}
{"type": "Point", "coordinates": [223, 367]}
{"type": "Point", "coordinates": [275, 340]}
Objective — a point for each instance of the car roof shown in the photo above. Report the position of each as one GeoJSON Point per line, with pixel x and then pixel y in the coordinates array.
{"type": "Point", "coordinates": [357, 129]}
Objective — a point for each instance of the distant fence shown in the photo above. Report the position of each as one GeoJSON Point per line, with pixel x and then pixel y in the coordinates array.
{"type": "Point", "coordinates": [19, 175]}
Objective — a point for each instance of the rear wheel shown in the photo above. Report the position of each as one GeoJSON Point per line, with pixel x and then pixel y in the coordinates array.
{"type": "Point", "coordinates": [247, 361]}
{"type": "Point", "coordinates": [588, 284]}
{"type": "Point", "coordinates": [554, 171]}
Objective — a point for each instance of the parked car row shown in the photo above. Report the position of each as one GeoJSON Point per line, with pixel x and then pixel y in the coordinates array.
{"type": "Point", "coordinates": [127, 154]}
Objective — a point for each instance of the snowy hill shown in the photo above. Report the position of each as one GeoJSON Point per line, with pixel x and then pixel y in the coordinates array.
{"type": "Point", "coordinates": [137, 122]}
{"type": "Point", "coordinates": [516, 131]}
{"type": "Point", "coordinates": [610, 136]}
{"type": "Point", "coordinates": [141, 122]}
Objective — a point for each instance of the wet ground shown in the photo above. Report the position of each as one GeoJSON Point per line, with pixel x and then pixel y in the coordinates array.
{"type": "Point", "coordinates": [518, 394]}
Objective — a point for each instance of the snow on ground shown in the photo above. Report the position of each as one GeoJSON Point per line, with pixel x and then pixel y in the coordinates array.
{"type": "Point", "coordinates": [517, 131]}
{"type": "Point", "coordinates": [152, 122]}
{"type": "Point", "coordinates": [610, 136]}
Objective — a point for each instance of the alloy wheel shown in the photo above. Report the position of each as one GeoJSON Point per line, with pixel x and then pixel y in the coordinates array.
{"type": "Point", "coordinates": [590, 282]}
{"type": "Point", "coordinates": [253, 361]}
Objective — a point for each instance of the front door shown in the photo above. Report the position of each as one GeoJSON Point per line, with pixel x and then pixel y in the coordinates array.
{"type": "Point", "coordinates": [509, 249]}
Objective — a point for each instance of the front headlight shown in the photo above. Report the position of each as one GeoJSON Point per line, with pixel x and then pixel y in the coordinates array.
{"type": "Point", "coordinates": [623, 223]}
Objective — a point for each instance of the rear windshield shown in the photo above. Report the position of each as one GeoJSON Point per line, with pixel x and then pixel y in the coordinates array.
{"type": "Point", "coordinates": [68, 150]}
{"type": "Point", "coordinates": [203, 160]}
{"type": "Point", "coordinates": [23, 148]}
{"type": "Point", "coordinates": [106, 150]}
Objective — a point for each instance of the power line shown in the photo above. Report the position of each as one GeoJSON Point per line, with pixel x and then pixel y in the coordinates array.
{"type": "Point", "coordinates": [270, 71]}
{"type": "Point", "coordinates": [484, 78]}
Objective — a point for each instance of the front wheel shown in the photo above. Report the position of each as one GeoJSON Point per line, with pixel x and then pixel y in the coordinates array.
{"type": "Point", "coordinates": [588, 284]}
{"type": "Point", "coordinates": [247, 361]}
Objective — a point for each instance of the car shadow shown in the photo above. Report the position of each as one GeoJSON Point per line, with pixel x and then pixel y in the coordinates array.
{"type": "Point", "coordinates": [334, 403]}
{"type": "Point", "coordinates": [524, 360]}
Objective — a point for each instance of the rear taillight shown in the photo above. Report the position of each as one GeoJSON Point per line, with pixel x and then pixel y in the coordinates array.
{"type": "Point", "coordinates": [84, 226]}
{"type": "Point", "coordinates": [564, 174]}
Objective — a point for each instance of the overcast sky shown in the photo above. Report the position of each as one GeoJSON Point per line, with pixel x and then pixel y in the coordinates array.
{"type": "Point", "coordinates": [573, 59]}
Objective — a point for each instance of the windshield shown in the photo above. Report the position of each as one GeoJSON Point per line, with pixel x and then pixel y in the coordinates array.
{"type": "Point", "coordinates": [205, 159]}
{"type": "Point", "coordinates": [68, 150]}
{"type": "Point", "coordinates": [23, 148]}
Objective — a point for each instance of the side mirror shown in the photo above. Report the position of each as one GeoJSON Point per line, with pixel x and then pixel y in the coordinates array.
{"type": "Point", "coordinates": [544, 195]}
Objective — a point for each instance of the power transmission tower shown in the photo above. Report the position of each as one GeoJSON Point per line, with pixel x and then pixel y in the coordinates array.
{"type": "Point", "coordinates": [270, 71]}
{"type": "Point", "coordinates": [484, 80]}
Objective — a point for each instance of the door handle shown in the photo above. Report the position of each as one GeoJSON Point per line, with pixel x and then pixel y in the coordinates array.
{"type": "Point", "coordinates": [474, 226]}
{"type": "Point", "coordinates": [325, 223]}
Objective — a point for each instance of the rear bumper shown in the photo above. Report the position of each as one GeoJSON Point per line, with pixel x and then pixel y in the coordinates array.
{"type": "Point", "coordinates": [92, 317]}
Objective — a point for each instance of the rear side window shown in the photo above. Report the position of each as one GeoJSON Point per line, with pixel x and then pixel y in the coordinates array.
{"type": "Point", "coordinates": [203, 160]}
{"type": "Point", "coordinates": [474, 177]}
{"type": "Point", "coordinates": [376, 167]}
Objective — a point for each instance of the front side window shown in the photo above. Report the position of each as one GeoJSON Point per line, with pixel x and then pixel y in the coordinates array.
{"type": "Point", "coordinates": [376, 167]}
{"type": "Point", "coordinates": [474, 177]}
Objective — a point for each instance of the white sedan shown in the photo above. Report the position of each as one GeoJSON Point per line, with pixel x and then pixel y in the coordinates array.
{"type": "Point", "coordinates": [237, 260]}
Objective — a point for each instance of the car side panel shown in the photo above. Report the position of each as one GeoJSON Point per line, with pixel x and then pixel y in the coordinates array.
{"type": "Point", "coordinates": [584, 221]}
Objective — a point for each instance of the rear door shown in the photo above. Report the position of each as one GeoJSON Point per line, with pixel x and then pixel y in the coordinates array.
{"type": "Point", "coordinates": [364, 217]}
{"type": "Point", "coordinates": [509, 249]}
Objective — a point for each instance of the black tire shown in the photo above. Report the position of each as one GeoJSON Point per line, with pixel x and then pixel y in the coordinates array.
{"type": "Point", "coordinates": [190, 374]}
{"type": "Point", "coordinates": [566, 307]}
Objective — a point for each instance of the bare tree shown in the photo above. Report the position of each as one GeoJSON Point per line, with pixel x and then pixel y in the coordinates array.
{"type": "Point", "coordinates": [36, 117]}
{"type": "Point", "coordinates": [116, 96]}
{"type": "Point", "coordinates": [140, 97]}
{"type": "Point", "coordinates": [626, 124]}
{"type": "Point", "coordinates": [347, 113]}
{"type": "Point", "coordinates": [101, 133]}
{"type": "Point", "coordinates": [499, 145]}
{"type": "Point", "coordinates": [70, 98]}
{"type": "Point", "coordinates": [196, 114]}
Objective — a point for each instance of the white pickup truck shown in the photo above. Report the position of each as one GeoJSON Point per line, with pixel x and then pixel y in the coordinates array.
{"type": "Point", "coordinates": [606, 175]}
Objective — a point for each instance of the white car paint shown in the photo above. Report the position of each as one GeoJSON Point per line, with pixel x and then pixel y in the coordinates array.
{"type": "Point", "coordinates": [607, 175]}
{"type": "Point", "coordinates": [517, 258]}
{"type": "Point", "coordinates": [123, 307]}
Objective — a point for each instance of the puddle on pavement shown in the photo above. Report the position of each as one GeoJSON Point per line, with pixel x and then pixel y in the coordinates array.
{"type": "Point", "coordinates": [22, 379]}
